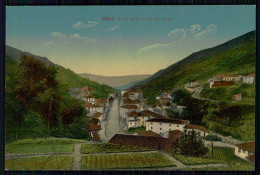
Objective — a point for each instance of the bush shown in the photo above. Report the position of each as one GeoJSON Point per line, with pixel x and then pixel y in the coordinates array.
{"type": "Point", "coordinates": [76, 130]}
{"type": "Point", "coordinates": [189, 145]}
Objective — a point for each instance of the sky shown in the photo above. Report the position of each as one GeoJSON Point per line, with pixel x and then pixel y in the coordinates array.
{"type": "Point", "coordinates": [123, 40]}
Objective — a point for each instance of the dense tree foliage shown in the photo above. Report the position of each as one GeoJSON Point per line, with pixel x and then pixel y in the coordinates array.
{"type": "Point", "coordinates": [190, 145]}
{"type": "Point", "coordinates": [37, 105]}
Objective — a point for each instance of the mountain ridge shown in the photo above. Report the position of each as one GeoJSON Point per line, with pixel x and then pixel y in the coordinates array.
{"type": "Point", "coordinates": [114, 81]}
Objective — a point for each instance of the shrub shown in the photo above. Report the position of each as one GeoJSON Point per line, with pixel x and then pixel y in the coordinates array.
{"type": "Point", "coordinates": [189, 145]}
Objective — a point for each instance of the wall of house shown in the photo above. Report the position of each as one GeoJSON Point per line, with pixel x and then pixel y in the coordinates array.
{"type": "Point", "coordinates": [248, 80]}
{"type": "Point", "coordinates": [132, 124]}
{"type": "Point", "coordinates": [198, 132]}
{"type": "Point", "coordinates": [161, 128]}
{"type": "Point", "coordinates": [241, 153]}
{"type": "Point", "coordinates": [142, 120]}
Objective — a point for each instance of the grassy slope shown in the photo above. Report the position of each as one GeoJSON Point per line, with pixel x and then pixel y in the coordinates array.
{"type": "Point", "coordinates": [221, 155]}
{"type": "Point", "coordinates": [27, 146]}
{"type": "Point", "coordinates": [239, 60]}
{"type": "Point", "coordinates": [73, 80]}
{"type": "Point", "coordinates": [235, 60]}
{"type": "Point", "coordinates": [65, 76]}
{"type": "Point", "coordinates": [40, 163]}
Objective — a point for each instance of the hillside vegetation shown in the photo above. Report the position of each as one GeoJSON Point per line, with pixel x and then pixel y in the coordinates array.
{"type": "Point", "coordinates": [65, 76]}
{"type": "Point", "coordinates": [220, 114]}
{"type": "Point", "coordinates": [234, 57]}
{"type": "Point", "coordinates": [38, 105]}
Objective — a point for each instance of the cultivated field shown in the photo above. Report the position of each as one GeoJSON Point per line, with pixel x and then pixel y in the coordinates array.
{"type": "Point", "coordinates": [40, 163]}
{"type": "Point", "coordinates": [125, 161]}
{"type": "Point", "coordinates": [109, 148]}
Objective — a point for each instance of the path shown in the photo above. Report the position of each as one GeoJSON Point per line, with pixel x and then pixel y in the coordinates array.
{"type": "Point", "coordinates": [76, 165]}
{"type": "Point", "coordinates": [176, 162]}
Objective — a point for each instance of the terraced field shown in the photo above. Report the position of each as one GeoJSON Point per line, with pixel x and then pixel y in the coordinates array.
{"type": "Point", "coordinates": [125, 161]}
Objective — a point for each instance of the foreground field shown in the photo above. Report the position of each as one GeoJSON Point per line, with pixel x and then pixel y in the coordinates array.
{"type": "Point", "coordinates": [40, 163]}
{"type": "Point", "coordinates": [221, 155]}
{"type": "Point", "coordinates": [109, 148]}
{"type": "Point", "coordinates": [125, 161]}
{"type": "Point", "coordinates": [49, 145]}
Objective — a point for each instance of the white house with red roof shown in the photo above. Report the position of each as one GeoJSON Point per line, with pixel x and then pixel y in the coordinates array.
{"type": "Point", "coordinates": [249, 79]}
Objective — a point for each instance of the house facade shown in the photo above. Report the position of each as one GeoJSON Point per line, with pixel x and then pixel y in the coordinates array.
{"type": "Point", "coordinates": [161, 126]}
{"type": "Point", "coordinates": [132, 119]}
{"type": "Point", "coordinates": [237, 97]}
{"type": "Point", "coordinates": [245, 150]}
{"type": "Point", "coordinates": [232, 78]}
{"type": "Point", "coordinates": [199, 130]}
{"type": "Point", "coordinates": [90, 98]}
{"type": "Point", "coordinates": [249, 79]}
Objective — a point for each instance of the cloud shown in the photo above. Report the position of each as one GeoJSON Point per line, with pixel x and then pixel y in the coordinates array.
{"type": "Point", "coordinates": [80, 24]}
{"type": "Point", "coordinates": [79, 37]}
{"type": "Point", "coordinates": [150, 47]}
{"type": "Point", "coordinates": [178, 35]}
{"type": "Point", "coordinates": [49, 43]}
{"type": "Point", "coordinates": [58, 35]}
{"type": "Point", "coordinates": [113, 28]}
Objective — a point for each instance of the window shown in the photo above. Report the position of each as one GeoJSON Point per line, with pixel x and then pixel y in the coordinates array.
{"type": "Point", "coordinates": [160, 128]}
{"type": "Point", "coordinates": [151, 123]}
{"type": "Point", "coordinates": [151, 127]}
{"type": "Point", "coordinates": [170, 125]}
{"type": "Point", "coordinates": [160, 123]}
{"type": "Point", "coordinates": [143, 117]}
{"type": "Point", "coordinates": [130, 123]}
{"type": "Point", "coordinates": [239, 150]}
{"type": "Point", "coordinates": [177, 125]}
{"type": "Point", "coordinates": [135, 123]}
{"type": "Point", "coordinates": [169, 129]}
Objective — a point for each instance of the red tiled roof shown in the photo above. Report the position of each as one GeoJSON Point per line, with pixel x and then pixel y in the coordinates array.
{"type": "Point", "coordinates": [142, 141]}
{"type": "Point", "coordinates": [222, 83]}
{"type": "Point", "coordinates": [175, 134]}
{"type": "Point", "coordinates": [129, 106]}
{"type": "Point", "coordinates": [133, 90]}
{"type": "Point", "coordinates": [168, 120]}
{"type": "Point", "coordinates": [152, 114]}
{"type": "Point", "coordinates": [251, 75]}
{"type": "Point", "coordinates": [247, 146]}
{"type": "Point", "coordinates": [251, 158]}
{"type": "Point", "coordinates": [148, 133]}
{"type": "Point", "coordinates": [88, 104]}
{"type": "Point", "coordinates": [218, 76]}
{"type": "Point", "coordinates": [89, 96]}
{"type": "Point", "coordinates": [231, 76]}
{"type": "Point", "coordinates": [196, 127]}
{"type": "Point", "coordinates": [97, 115]}
{"type": "Point", "coordinates": [126, 95]}
{"type": "Point", "coordinates": [87, 89]}
{"type": "Point", "coordinates": [102, 100]}
{"type": "Point", "coordinates": [94, 121]}
{"type": "Point", "coordinates": [96, 136]}
{"type": "Point", "coordinates": [129, 101]}
{"type": "Point", "coordinates": [237, 95]}
{"type": "Point", "coordinates": [95, 106]}
{"type": "Point", "coordinates": [133, 114]}
{"type": "Point", "coordinates": [94, 127]}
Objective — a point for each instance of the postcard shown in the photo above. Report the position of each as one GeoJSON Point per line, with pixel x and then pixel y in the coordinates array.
{"type": "Point", "coordinates": [130, 88]}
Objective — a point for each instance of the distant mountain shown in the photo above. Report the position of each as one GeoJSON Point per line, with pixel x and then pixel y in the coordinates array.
{"type": "Point", "coordinates": [236, 56]}
{"type": "Point", "coordinates": [114, 81]}
{"type": "Point", "coordinates": [65, 76]}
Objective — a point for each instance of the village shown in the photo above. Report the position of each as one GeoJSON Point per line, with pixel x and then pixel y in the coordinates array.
{"type": "Point", "coordinates": [112, 117]}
